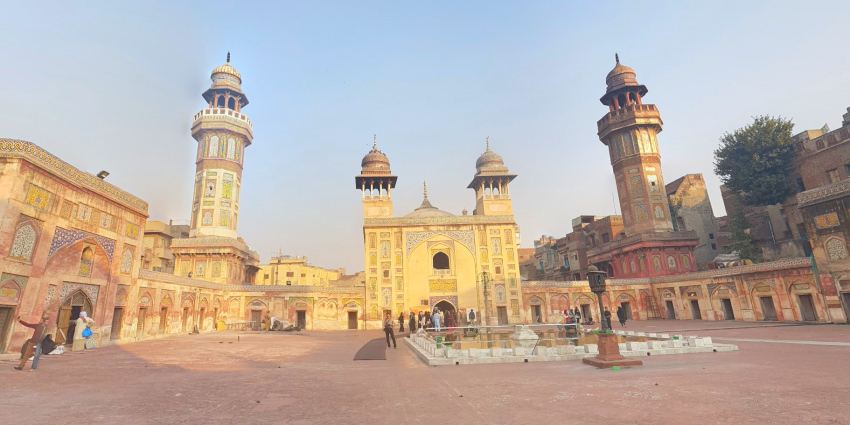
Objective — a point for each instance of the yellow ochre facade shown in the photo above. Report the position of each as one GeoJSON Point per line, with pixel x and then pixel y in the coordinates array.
{"type": "Point", "coordinates": [431, 258]}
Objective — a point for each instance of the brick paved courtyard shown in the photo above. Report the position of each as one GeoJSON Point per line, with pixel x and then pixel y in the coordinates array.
{"type": "Point", "coordinates": [782, 374]}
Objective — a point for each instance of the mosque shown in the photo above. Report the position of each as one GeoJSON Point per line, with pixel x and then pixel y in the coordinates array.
{"type": "Point", "coordinates": [70, 242]}
{"type": "Point", "coordinates": [430, 258]}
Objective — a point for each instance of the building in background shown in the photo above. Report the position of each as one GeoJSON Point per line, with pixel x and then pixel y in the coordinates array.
{"type": "Point", "coordinates": [294, 270]}
{"type": "Point", "coordinates": [691, 210]}
{"type": "Point", "coordinates": [157, 241]}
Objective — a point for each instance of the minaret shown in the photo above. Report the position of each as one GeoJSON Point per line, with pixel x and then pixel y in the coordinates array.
{"type": "Point", "coordinates": [491, 184]}
{"type": "Point", "coordinates": [375, 181]}
{"type": "Point", "coordinates": [629, 130]}
{"type": "Point", "coordinates": [223, 132]}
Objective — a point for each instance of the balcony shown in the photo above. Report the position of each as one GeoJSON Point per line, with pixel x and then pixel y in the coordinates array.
{"type": "Point", "coordinates": [223, 115]}
{"type": "Point", "coordinates": [643, 237]}
{"type": "Point", "coordinates": [629, 115]}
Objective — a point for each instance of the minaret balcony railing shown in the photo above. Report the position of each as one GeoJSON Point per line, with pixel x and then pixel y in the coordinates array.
{"type": "Point", "coordinates": [494, 197]}
{"type": "Point", "coordinates": [376, 198]}
{"type": "Point", "coordinates": [225, 115]}
{"type": "Point", "coordinates": [640, 114]}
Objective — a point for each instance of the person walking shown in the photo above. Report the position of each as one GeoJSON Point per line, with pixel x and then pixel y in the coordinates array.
{"type": "Point", "coordinates": [435, 319]}
{"type": "Point", "coordinates": [471, 316]}
{"type": "Point", "coordinates": [32, 343]}
{"type": "Point", "coordinates": [578, 316]}
{"type": "Point", "coordinates": [83, 322]}
{"type": "Point", "coordinates": [427, 320]}
{"type": "Point", "coordinates": [411, 323]}
{"type": "Point", "coordinates": [400, 321]}
{"type": "Point", "coordinates": [388, 330]}
{"type": "Point", "coordinates": [607, 316]}
{"type": "Point", "coordinates": [621, 316]}
{"type": "Point", "coordinates": [420, 320]}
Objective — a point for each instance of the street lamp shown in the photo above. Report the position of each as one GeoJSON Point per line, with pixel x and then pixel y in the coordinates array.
{"type": "Point", "coordinates": [484, 278]}
{"type": "Point", "coordinates": [607, 343]}
{"type": "Point", "coordinates": [596, 279]}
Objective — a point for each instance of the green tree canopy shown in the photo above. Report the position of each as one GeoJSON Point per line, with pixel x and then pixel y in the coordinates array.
{"type": "Point", "coordinates": [754, 161]}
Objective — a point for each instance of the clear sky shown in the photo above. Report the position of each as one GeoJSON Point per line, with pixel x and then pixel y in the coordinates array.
{"type": "Point", "coordinates": [115, 86]}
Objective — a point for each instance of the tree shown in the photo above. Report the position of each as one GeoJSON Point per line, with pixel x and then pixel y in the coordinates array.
{"type": "Point", "coordinates": [754, 161]}
{"type": "Point", "coordinates": [745, 243]}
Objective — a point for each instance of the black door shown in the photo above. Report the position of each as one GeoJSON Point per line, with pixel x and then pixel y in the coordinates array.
{"type": "Point", "coordinates": [585, 312]}
{"type": "Point", "coordinates": [352, 320]}
{"type": "Point", "coordinates": [671, 311]}
{"type": "Point", "coordinates": [117, 322]}
{"type": "Point", "coordinates": [257, 318]}
{"type": "Point", "coordinates": [627, 308]}
{"type": "Point", "coordinates": [807, 308]}
{"type": "Point", "coordinates": [768, 308]}
{"type": "Point", "coordinates": [728, 313]}
{"type": "Point", "coordinates": [140, 324]}
{"type": "Point", "coordinates": [302, 319]}
{"type": "Point", "coordinates": [846, 297]}
{"type": "Point", "coordinates": [5, 324]}
{"type": "Point", "coordinates": [72, 325]}
{"type": "Point", "coordinates": [536, 317]}
{"type": "Point", "coordinates": [697, 314]}
{"type": "Point", "coordinates": [503, 315]}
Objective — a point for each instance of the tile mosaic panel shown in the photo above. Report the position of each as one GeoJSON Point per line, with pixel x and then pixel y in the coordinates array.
{"type": "Point", "coordinates": [38, 198]}
{"type": "Point", "coordinates": [63, 238]}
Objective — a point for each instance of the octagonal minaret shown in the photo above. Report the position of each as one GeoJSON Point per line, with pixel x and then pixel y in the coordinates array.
{"type": "Point", "coordinates": [223, 132]}
{"type": "Point", "coordinates": [629, 130]}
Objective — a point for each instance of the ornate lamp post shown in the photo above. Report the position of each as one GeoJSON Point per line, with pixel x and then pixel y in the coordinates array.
{"type": "Point", "coordinates": [609, 350]}
{"type": "Point", "coordinates": [596, 279]}
{"type": "Point", "coordinates": [484, 279]}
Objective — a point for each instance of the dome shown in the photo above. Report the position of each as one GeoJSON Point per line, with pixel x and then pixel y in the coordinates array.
{"type": "Point", "coordinates": [227, 70]}
{"type": "Point", "coordinates": [375, 160]}
{"type": "Point", "coordinates": [490, 160]}
{"type": "Point", "coordinates": [621, 76]}
{"type": "Point", "coordinates": [426, 210]}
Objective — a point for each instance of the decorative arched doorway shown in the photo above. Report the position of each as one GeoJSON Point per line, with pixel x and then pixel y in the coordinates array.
{"type": "Point", "coordinates": [69, 312]}
{"type": "Point", "coordinates": [446, 308]}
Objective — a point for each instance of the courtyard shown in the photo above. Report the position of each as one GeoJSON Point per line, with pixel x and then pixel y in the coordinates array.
{"type": "Point", "coordinates": [782, 374]}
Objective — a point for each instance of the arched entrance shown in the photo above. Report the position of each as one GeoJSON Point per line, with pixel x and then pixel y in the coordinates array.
{"type": "Point", "coordinates": [446, 308]}
{"type": "Point", "coordinates": [69, 312]}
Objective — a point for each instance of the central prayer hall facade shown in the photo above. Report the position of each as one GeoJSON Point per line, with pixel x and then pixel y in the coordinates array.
{"type": "Point", "coordinates": [430, 258]}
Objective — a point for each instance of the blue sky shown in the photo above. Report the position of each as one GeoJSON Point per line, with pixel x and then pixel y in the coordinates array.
{"type": "Point", "coordinates": [115, 86]}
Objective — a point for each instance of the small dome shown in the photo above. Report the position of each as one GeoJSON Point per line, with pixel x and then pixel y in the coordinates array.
{"type": "Point", "coordinates": [375, 160]}
{"type": "Point", "coordinates": [426, 210]}
{"type": "Point", "coordinates": [621, 76]}
{"type": "Point", "coordinates": [226, 69]}
{"type": "Point", "coordinates": [489, 160]}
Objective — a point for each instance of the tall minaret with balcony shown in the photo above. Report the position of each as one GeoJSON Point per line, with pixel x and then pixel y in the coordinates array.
{"type": "Point", "coordinates": [223, 132]}
{"type": "Point", "coordinates": [492, 185]}
{"type": "Point", "coordinates": [629, 130]}
{"type": "Point", "coordinates": [375, 183]}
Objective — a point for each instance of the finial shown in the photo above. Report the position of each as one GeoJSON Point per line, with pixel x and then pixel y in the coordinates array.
{"type": "Point", "coordinates": [488, 144]}
{"type": "Point", "coordinates": [374, 142]}
{"type": "Point", "coordinates": [617, 57]}
{"type": "Point", "coordinates": [228, 57]}
{"type": "Point", "coordinates": [425, 187]}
